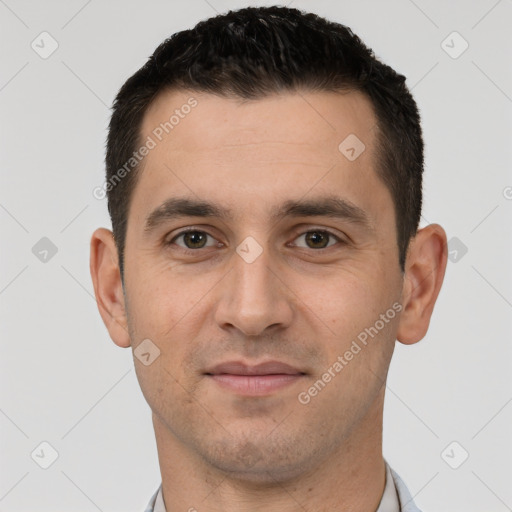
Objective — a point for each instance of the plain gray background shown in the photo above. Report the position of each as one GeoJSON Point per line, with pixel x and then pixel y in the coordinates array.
{"type": "Point", "coordinates": [64, 382]}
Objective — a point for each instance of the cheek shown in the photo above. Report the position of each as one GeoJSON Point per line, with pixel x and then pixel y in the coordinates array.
{"type": "Point", "coordinates": [353, 306]}
{"type": "Point", "coordinates": [162, 298]}
{"type": "Point", "coordinates": [341, 299]}
{"type": "Point", "coordinates": [164, 308]}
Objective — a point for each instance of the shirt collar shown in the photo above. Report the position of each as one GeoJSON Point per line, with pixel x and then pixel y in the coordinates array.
{"type": "Point", "coordinates": [389, 501]}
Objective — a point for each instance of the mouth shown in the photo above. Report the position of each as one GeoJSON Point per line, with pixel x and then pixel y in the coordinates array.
{"type": "Point", "coordinates": [254, 380]}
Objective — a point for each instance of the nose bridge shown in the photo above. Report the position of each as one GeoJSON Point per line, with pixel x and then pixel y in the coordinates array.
{"type": "Point", "coordinates": [253, 298]}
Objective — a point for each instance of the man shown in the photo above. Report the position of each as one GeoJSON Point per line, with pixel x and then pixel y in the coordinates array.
{"type": "Point", "coordinates": [264, 179]}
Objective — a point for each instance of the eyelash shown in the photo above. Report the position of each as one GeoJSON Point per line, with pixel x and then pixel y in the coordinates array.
{"type": "Point", "coordinates": [188, 250]}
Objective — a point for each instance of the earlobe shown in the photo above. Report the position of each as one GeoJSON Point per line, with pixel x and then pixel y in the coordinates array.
{"type": "Point", "coordinates": [108, 287]}
{"type": "Point", "coordinates": [424, 274]}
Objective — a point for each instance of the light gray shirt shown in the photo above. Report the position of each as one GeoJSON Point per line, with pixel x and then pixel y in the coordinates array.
{"type": "Point", "coordinates": [396, 496]}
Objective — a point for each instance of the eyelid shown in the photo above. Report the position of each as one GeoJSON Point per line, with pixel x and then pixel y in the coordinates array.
{"type": "Point", "coordinates": [313, 229]}
{"type": "Point", "coordinates": [188, 230]}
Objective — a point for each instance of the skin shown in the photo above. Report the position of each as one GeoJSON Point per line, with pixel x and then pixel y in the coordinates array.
{"type": "Point", "coordinates": [302, 305]}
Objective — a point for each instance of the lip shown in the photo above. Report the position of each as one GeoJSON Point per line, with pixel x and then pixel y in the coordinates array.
{"type": "Point", "coordinates": [265, 368]}
{"type": "Point", "coordinates": [254, 380]}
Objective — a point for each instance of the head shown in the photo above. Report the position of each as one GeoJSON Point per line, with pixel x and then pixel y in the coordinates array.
{"type": "Point", "coordinates": [294, 159]}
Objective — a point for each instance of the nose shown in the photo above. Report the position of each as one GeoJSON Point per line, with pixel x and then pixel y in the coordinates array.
{"type": "Point", "coordinates": [254, 297]}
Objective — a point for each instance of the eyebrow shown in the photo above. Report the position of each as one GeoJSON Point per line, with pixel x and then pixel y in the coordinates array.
{"type": "Point", "coordinates": [174, 208]}
{"type": "Point", "coordinates": [329, 206]}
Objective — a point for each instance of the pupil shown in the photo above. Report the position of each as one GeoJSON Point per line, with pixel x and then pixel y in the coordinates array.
{"type": "Point", "coordinates": [316, 237]}
{"type": "Point", "coordinates": [195, 239]}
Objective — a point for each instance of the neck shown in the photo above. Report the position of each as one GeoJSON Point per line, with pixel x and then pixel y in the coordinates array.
{"type": "Point", "coordinates": [351, 478]}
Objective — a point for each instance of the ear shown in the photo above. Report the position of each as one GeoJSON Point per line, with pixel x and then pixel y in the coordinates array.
{"type": "Point", "coordinates": [108, 287]}
{"type": "Point", "coordinates": [424, 273]}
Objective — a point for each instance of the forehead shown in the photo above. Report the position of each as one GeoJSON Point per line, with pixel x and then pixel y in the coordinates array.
{"type": "Point", "coordinates": [256, 153]}
{"type": "Point", "coordinates": [319, 120]}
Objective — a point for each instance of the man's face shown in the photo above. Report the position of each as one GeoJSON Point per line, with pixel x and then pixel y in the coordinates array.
{"type": "Point", "coordinates": [254, 286]}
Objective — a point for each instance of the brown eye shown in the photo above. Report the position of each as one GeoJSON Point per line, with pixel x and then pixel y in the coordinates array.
{"type": "Point", "coordinates": [317, 239]}
{"type": "Point", "coordinates": [193, 239]}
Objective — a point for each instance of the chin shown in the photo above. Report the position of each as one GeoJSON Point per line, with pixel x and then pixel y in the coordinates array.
{"type": "Point", "coordinates": [262, 463]}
